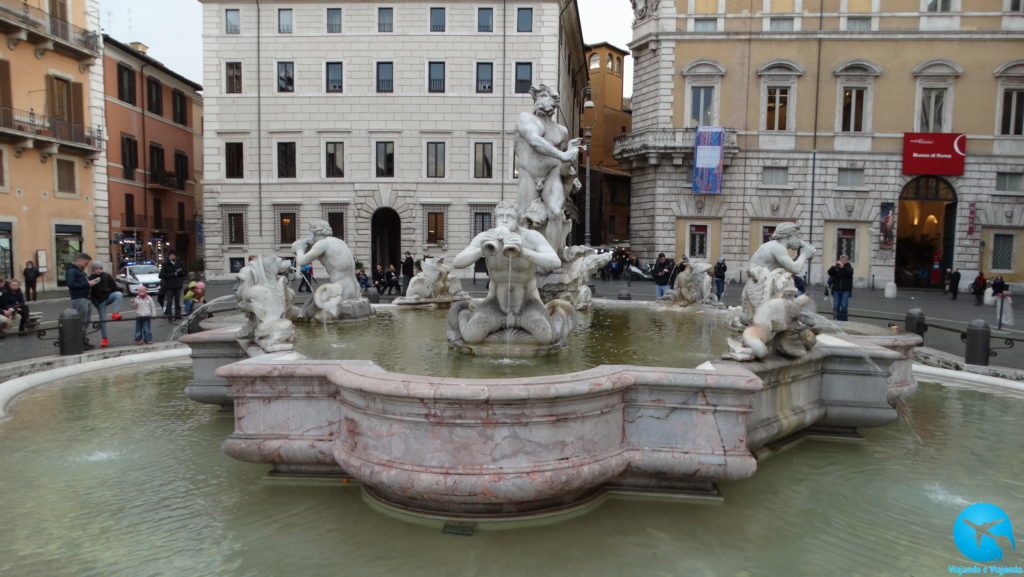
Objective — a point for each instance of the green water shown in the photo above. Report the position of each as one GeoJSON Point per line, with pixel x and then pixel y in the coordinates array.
{"type": "Point", "coordinates": [413, 341]}
{"type": "Point", "coordinates": [120, 475]}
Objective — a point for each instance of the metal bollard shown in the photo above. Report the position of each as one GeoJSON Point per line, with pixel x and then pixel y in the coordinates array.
{"type": "Point", "coordinates": [625, 296]}
{"type": "Point", "coordinates": [977, 347]}
{"type": "Point", "coordinates": [69, 331]}
{"type": "Point", "coordinates": [915, 322]}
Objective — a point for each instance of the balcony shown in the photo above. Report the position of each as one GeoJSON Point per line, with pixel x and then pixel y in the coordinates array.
{"type": "Point", "coordinates": [24, 23]}
{"type": "Point", "coordinates": [674, 144]}
{"type": "Point", "coordinates": [135, 221]}
{"type": "Point", "coordinates": [163, 180]}
{"type": "Point", "coordinates": [31, 130]}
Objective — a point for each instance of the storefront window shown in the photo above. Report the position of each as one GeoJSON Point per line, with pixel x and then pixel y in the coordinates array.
{"type": "Point", "coordinates": [68, 242]}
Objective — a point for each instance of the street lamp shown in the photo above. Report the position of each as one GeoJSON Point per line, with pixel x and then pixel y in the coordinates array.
{"type": "Point", "coordinates": [588, 105]}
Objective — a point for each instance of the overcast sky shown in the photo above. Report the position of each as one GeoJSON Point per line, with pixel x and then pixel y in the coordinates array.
{"type": "Point", "coordinates": [173, 31]}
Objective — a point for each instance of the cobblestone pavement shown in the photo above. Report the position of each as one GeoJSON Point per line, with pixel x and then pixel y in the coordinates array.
{"type": "Point", "coordinates": [934, 304]}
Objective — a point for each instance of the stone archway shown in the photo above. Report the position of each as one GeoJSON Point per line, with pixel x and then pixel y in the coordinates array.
{"type": "Point", "coordinates": [385, 237]}
{"type": "Point", "coordinates": [926, 228]}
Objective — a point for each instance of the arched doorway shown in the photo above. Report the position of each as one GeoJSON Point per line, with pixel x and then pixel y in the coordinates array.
{"type": "Point", "coordinates": [385, 237]}
{"type": "Point", "coordinates": [926, 232]}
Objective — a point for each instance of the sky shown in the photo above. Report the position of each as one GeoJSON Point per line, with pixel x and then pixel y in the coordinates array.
{"type": "Point", "coordinates": [173, 29]}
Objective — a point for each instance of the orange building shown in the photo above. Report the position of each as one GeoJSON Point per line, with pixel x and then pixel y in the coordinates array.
{"type": "Point", "coordinates": [154, 122]}
{"type": "Point", "coordinates": [610, 117]}
{"type": "Point", "coordinates": [52, 185]}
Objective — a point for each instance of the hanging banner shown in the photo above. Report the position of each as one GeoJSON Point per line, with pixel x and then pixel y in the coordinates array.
{"type": "Point", "coordinates": [972, 212]}
{"type": "Point", "coordinates": [709, 151]}
{"type": "Point", "coordinates": [887, 226]}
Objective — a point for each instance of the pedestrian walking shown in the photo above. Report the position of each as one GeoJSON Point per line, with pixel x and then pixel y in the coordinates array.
{"type": "Point", "coordinates": [954, 282]}
{"type": "Point", "coordinates": [31, 274]}
{"type": "Point", "coordinates": [720, 269]}
{"type": "Point", "coordinates": [662, 275]}
{"type": "Point", "coordinates": [104, 293]}
{"type": "Point", "coordinates": [145, 310]}
{"type": "Point", "coordinates": [978, 288]}
{"type": "Point", "coordinates": [172, 279]}
{"type": "Point", "coordinates": [841, 275]}
{"type": "Point", "coordinates": [408, 271]}
{"type": "Point", "coordinates": [306, 280]}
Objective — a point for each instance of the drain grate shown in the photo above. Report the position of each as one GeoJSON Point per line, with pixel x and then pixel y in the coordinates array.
{"type": "Point", "coordinates": [459, 528]}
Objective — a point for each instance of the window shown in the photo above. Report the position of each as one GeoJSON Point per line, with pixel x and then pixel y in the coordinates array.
{"type": "Point", "coordinates": [767, 231]}
{"type": "Point", "coordinates": [1016, 6]}
{"type": "Point", "coordinates": [595, 61]}
{"type": "Point", "coordinates": [485, 20]}
{"type": "Point", "coordinates": [334, 214]}
{"type": "Point", "coordinates": [125, 84]}
{"type": "Point", "coordinates": [180, 107]}
{"type": "Point", "coordinates": [129, 210]}
{"type": "Point", "coordinates": [1008, 182]}
{"type": "Point", "coordinates": [158, 212]}
{"type": "Point", "coordinates": [435, 160]}
{"type": "Point", "coordinates": [858, 23]}
{"type": "Point", "coordinates": [233, 79]}
{"type": "Point", "coordinates": [385, 74]}
{"type": "Point", "coordinates": [233, 160]}
{"type": "Point", "coordinates": [232, 21]}
{"type": "Point", "coordinates": [846, 243]}
{"type": "Point", "coordinates": [482, 220]}
{"type": "Point", "coordinates": [435, 227]}
{"type": "Point", "coordinates": [1002, 252]}
{"type": "Point", "coordinates": [698, 241]}
{"type": "Point", "coordinates": [286, 160]}
{"type": "Point", "coordinates": [181, 168]}
{"type": "Point", "coordinates": [286, 77]}
{"type": "Point", "coordinates": [702, 106]}
{"type": "Point", "coordinates": [385, 159]}
{"type": "Point", "coordinates": [129, 156]}
{"type": "Point", "coordinates": [778, 24]}
{"type": "Point", "coordinates": [435, 77]}
{"type": "Point", "coordinates": [938, 6]}
{"type": "Point", "coordinates": [334, 83]}
{"type": "Point", "coordinates": [524, 77]}
{"type": "Point", "coordinates": [777, 111]}
{"type": "Point", "coordinates": [437, 19]}
{"type": "Point", "coordinates": [524, 20]}
{"type": "Point", "coordinates": [385, 19]}
{"type": "Point", "coordinates": [181, 216]}
{"type": "Point", "coordinates": [705, 24]}
{"type": "Point", "coordinates": [1012, 122]}
{"type": "Point", "coordinates": [286, 227]}
{"type": "Point", "coordinates": [851, 177]}
{"type": "Point", "coordinates": [483, 152]}
{"type": "Point", "coordinates": [284, 21]}
{"type": "Point", "coordinates": [66, 176]}
{"type": "Point", "coordinates": [156, 161]}
{"type": "Point", "coordinates": [775, 175]}
{"type": "Point", "coordinates": [335, 159]}
{"type": "Point", "coordinates": [933, 101]}
{"type": "Point", "coordinates": [334, 20]}
{"type": "Point", "coordinates": [154, 96]}
{"type": "Point", "coordinates": [484, 77]}
{"type": "Point", "coordinates": [236, 228]}
{"type": "Point", "coordinates": [853, 109]}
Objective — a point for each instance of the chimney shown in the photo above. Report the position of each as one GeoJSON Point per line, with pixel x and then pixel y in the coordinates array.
{"type": "Point", "coordinates": [139, 47]}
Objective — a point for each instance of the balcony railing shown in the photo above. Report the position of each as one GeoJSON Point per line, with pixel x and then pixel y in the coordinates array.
{"type": "Point", "coordinates": [436, 85]}
{"type": "Point", "coordinates": [164, 179]}
{"type": "Point", "coordinates": [36, 21]}
{"type": "Point", "coordinates": [36, 126]}
{"type": "Point", "coordinates": [384, 86]}
{"type": "Point", "coordinates": [667, 142]}
{"type": "Point", "coordinates": [384, 27]}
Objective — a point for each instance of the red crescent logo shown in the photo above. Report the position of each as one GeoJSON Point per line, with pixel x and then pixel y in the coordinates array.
{"type": "Point", "coordinates": [958, 144]}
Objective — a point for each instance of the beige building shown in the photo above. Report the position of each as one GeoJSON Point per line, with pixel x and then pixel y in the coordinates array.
{"type": "Point", "coordinates": [53, 200]}
{"type": "Point", "coordinates": [822, 102]}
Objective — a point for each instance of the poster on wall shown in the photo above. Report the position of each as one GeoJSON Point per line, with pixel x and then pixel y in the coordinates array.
{"type": "Point", "coordinates": [887, 226]}
{"type": "Point", "coordinates": [709, 152]}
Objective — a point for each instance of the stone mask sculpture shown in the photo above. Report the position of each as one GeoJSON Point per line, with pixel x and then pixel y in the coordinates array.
{"type": "Point", "coordinates": [341, 298]}
{"type": "Point", "coordinates": [266, 299]}
{"type": "Point", "coordinates": [513, 311]}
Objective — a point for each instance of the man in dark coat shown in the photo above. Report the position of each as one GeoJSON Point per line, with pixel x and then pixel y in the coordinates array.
{"type": "Point", "coordinates": [12, 302]}
{"type": "Point", "coordinates": [408, 271]}
{"type": "Point", "coordinates": [954, 282]}
{"type": "Point", "coordinates": [105, 294]}
{"type": "Point", "coordinates": [662, 275]}
{"type": "Point", "coordinates": [80, 287]}
{"type": "Point", "coordinates": [172, 278]}
{"type": "Point", "coordinates": [841, 275]}
{"type": "Point", "coordinates": [31, 274]}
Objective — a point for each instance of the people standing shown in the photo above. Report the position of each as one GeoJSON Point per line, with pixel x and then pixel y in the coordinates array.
{"type": "Point", "coordinates": [720, 268]}
{"type": "Point", "coordinates": [12, 302]}
{"type": "Point", "coordinates": [978, 288]}
{"type": "Point", "coordinates": [145, 310]}
{"type": "Point", "coordinates": [662, 275]}
{"type": "Point", "coordinates": [954, 281]}
{"type": "Point", "coordinates": [103, 294]}
{"type": "Point", "coordinates": [172, 279]}
{"type": "Point", "coordinates": [80, 287]}
{"type": "Point", "coordinates": [31, 274]}
{"type": "Point", "coordinates": [408, 271]}
{"type": "Point", "coordinates": [841, 275]}
{"type": "Point", "coordinates": [999, 286]}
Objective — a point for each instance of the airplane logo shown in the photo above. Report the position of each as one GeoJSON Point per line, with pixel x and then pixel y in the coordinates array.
{"type": "Point", "coordinates": [979, 521]}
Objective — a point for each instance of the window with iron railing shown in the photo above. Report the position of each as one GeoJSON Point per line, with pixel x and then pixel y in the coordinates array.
{"type": "Point", "coordinates": [232, 21]}
{"type": "Point", "coordinates": [334, 75]}
{"type": "Point", "coordinates": [284, 21]}
{"type": "Point", "coordinates": [385, 75]}
{"type": "Point", "coordinates": [485, 20]}
{"type": "Point", "coordinates": [484, 77]}
{"type": "Point", "coordinates": [233, 78]}
{"type": "Point", "coordinates": [385, 159]}
{"type": "Point", "coordinates": [334, 20]}
{"type": "Point", "coordinates": [236, 227]}
{"type": "Point", "coordinates": [524, 77]}
{"type": "Point", "coordinates": [286, 77]}
{"type": "Point", "coordinates": [435, 81]}
{"type": "Point", "coordinates": [437, 19]}
{"type": "Point", "coordinates": [435, 160]}
{"type": "Point", "coordinates": [385, 19]}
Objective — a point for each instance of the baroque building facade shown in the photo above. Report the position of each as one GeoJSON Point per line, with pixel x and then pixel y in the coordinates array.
{"type": "Point", "coordinates": [53, 197]}
{"type": "Point", "coordinates": [391, 121]}
{"type": "Point", "coordinates": [890, 130]}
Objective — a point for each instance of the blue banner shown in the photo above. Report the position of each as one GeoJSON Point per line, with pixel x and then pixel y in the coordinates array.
{"type": "Point", "coordinates": [708, 153]}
